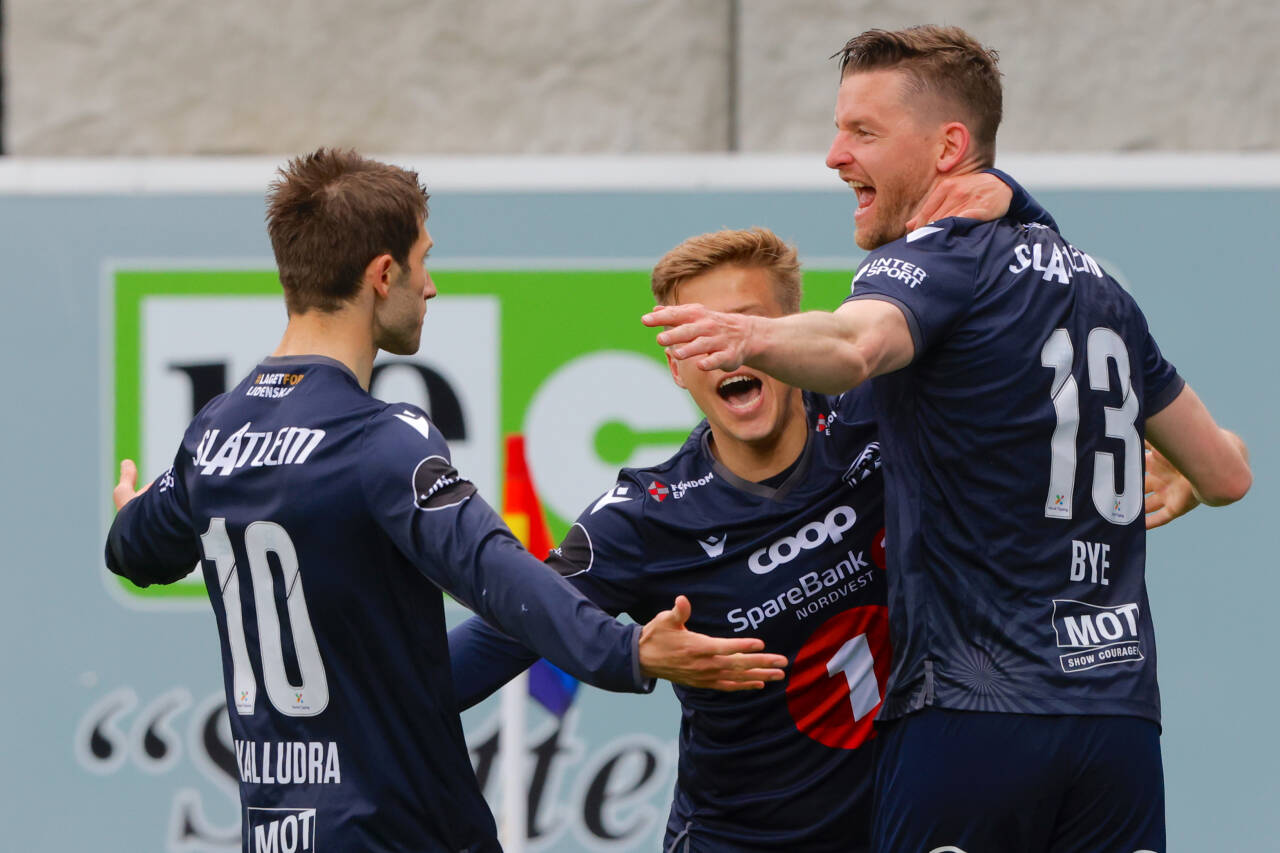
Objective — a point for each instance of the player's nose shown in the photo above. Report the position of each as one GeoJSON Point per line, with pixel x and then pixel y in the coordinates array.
{"type": "Point", "coordinates": [429, 291]}
{"type": "Point", "coordinates": [838, 154]}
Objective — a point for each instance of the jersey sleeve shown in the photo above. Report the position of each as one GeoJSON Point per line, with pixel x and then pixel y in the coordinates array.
{"type": "Point", "coordinates": [929, 275]}
{"type": "Point", "coordinates": [1161, 380]}
{"type": "Point", "coordinates": [603, 554]}
{"type": "Point", "coordinates": [152, 539]}
{"type": "Point", "coordinates": [597, 556]}
{"type": "Point", "coordinates": [435, 518]}
{"type": "Point", "coordinates": [1022, 207]}
{"type": "Point", "coordinates": [483, 659]}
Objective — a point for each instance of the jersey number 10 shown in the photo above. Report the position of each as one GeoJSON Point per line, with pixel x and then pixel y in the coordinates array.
{"type": "Point", "coordinates": [260, 539]}
{"type": "Point", "coordinates": [1118, 507]}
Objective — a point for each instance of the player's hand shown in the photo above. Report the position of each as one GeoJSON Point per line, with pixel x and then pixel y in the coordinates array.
{"type": "Point", "coordinates": [1169, 494]}
{"type": "Point", "coordinates": [670, 650]}
{"type": "Point", "coordinates": [975, 196]}
{"type": "Point", "coordinates": [722, 339]}
{"type": "Point", "coordinates": [126, 490]}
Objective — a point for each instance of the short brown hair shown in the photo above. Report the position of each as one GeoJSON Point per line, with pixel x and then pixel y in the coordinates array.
{"type": "Point", "coordinates": [751, 248]}
{"type": "Point", "coordinates": [330, 213]}
{"type": "Point", "coordinates": [943, 61]}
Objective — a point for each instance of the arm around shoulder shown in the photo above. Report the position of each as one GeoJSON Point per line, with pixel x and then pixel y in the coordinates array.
{"type": "Point", "coordinates": [1214, 460]}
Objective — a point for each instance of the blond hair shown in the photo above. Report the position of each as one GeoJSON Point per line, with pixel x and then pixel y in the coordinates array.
{"type": "Point", "coordinates": [752, 248]}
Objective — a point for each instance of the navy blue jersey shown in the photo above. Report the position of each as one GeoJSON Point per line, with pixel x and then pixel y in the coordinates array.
{"type": "Point", "coordinates": [1014, 469]}
{"type": "Point", "coordinates": [798, 564]}
{"type": "Point", "coordinates": [325, 520]}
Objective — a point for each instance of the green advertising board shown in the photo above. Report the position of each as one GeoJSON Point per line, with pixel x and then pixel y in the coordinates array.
{"type": "Point", "coordinates": [559, 356]}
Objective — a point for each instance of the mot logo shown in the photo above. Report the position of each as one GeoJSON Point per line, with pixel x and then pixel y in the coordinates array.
{"type": "Point", "coordinates": [282, 830]}
{"type": "Point", "coordinates": [1096, 636]}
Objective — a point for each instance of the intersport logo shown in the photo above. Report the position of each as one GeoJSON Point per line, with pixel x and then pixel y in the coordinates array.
{"type": "Point", "coordinates": [815, 533]}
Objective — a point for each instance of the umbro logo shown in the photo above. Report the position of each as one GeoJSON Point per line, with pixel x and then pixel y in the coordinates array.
{"type": "Point", "coordinates": [620, 494]}
{"type": "Point", "coordinates": [714, 545]}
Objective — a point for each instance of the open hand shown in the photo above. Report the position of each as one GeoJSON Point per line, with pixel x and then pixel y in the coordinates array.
{"type": "Point", "coordinates": [126, 490]}
{"type": "Point", "coordinates": [1169, 494]}
{"type": "Point", "coordinates": [694, 330]}
{"type": "Point", "coordinates": [974, 196]}
{"type": "Point", "coordinates": [670, 650]}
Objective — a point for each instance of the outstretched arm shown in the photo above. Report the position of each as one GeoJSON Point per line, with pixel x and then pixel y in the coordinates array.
{"type": "Point", "coordinates": [484, 659]}
{"type": "Point", "coordinates": [823, 351]}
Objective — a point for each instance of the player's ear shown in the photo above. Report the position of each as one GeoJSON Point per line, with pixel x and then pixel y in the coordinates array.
{"type": "Point", "coordinates": [674, 367]}
{"type": "Point", "coordinates": [378, 274]}
{"type": "Point", "coordinates": [955, 142]}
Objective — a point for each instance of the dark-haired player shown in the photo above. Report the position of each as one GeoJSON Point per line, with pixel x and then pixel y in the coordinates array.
{"type": "Point", "coordinates": [327, 521]}
{"type": "Point", "coordinates": [1014, 381]}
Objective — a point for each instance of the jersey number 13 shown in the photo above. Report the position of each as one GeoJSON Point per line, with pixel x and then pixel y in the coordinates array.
{"type": "Point", "coordinates": [1104, 345]}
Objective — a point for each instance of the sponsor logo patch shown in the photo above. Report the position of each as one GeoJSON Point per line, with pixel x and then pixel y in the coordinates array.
{"type": "Point", "coordinates": [1096, 635]}
{"type": "Point", "coordinates": [786, 548]}
{"type": "Point", "coordinates": [658, 491]}
{"type": "Point", "coordinates": [282, 830]}
{"type": "Point", "coordinates": [895, 268]}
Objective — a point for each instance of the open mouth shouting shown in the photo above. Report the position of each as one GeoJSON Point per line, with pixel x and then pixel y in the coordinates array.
{"type": "Point", "coordinates": [740, 391]}
{"type": "Point", "coordinates": [866, 195]}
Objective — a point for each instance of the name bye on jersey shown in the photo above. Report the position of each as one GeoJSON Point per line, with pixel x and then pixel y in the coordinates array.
{"type": "Point", "coordinates": [1014, 499]}
{"type": "Point", "coordinates": [799, 564]}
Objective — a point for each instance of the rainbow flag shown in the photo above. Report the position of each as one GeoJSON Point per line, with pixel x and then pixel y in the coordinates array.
{"type": "Point", "coordinates": [551, 686]}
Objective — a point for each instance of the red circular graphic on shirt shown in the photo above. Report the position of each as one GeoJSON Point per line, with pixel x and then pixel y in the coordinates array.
{"type": "Point", "coordinates": [877, 549]}
{"type": "Point", "coordinates": [838, 677]}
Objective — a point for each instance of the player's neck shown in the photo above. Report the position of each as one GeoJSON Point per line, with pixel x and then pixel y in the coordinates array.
{"type": "Point", "coordinates": [759, 460]}
{"type": "Point", "coordinates": [341, 335]}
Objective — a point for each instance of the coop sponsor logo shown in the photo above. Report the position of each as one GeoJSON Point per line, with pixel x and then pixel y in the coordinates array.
{"type": "Point", "coordinates": [786, 548]}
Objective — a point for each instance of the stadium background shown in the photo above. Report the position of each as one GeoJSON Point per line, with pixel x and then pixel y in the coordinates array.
{"type": "Point", "coordinates": [567, 145]}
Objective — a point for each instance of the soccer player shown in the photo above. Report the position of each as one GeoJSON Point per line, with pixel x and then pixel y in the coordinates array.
{"type": "Point", "coordinates": [1013, 381]}
{"type": "Point", "coordinates": [771, 513]}
{"type": "Point", "coordinates": [325, 520]}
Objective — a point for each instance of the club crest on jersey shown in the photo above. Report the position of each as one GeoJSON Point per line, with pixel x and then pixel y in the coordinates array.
{"type": "Point", "coordinates": [282, 830]}
{"type": "Point", "coordinates": [864, 466]}
{"type": "Point", "coordinates": [1096, 635]}
{"type": "Point", "coordinates": [658, 491]}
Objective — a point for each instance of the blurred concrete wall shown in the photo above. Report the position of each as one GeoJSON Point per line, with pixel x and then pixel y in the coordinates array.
{"type": "Point", "coordinates": [176, 77]}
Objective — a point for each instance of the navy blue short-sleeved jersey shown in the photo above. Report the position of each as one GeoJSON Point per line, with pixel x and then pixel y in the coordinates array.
{"type": "Point", "coordinates": [799, 564]}
{"type": "Point", "coordinates": [1013, 448]}
{"type": "Point", "coordinates": [325, 520]}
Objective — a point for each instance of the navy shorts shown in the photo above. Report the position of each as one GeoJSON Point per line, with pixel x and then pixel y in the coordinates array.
{"type": "Point", "coordinates": [976, 782]}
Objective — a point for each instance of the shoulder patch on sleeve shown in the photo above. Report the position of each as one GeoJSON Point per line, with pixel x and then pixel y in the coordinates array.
{"type": "Point", "coordinates": [438, 485]}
